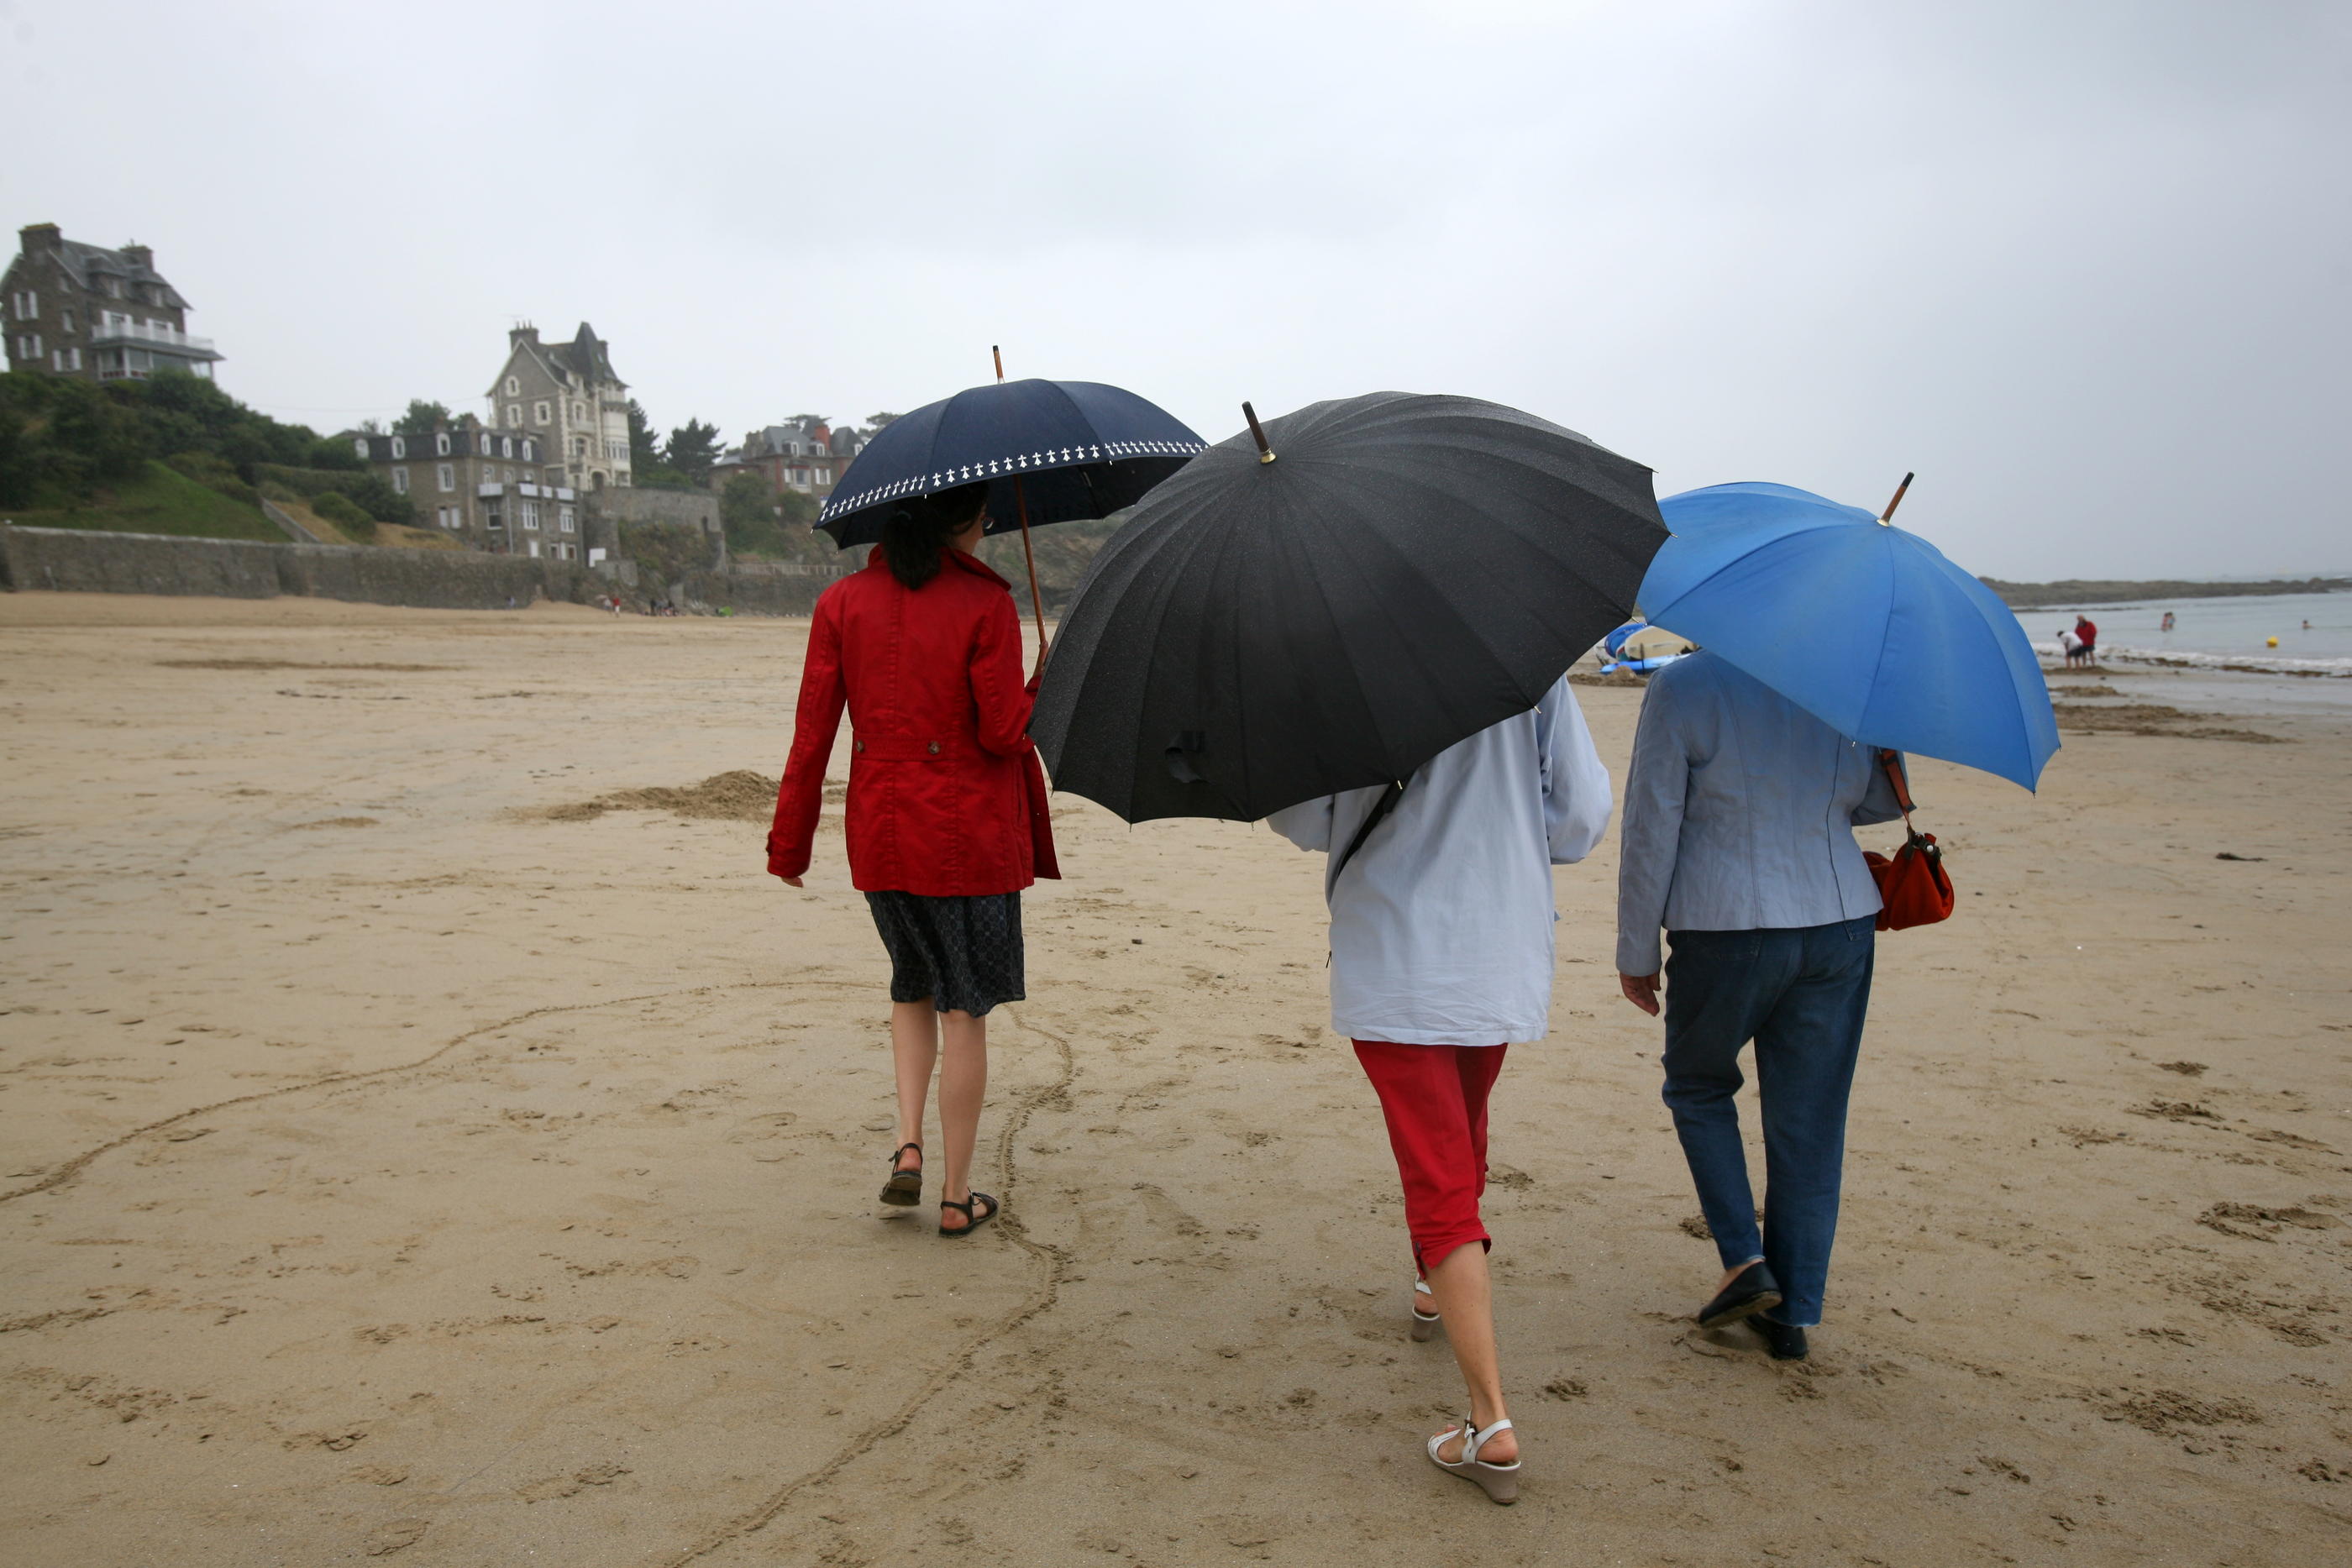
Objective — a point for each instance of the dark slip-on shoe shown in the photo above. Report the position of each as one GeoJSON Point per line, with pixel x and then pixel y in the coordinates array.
{"type": "Point", "coordinates": [1785, 1342]}
{"type": "Point", "coordinates": [1753, 1290]}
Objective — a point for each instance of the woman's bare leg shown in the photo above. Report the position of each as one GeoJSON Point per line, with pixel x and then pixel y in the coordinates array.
{"type": "Point", "coordinates": [963, 1086]}
{"type": "Point", "coordinates": [914, 1049]}
{"type": "Point", "coordinates": [1466, 1299]}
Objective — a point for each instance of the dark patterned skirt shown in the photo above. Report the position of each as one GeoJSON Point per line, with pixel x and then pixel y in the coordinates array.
{"type": "Point", "coordinates": [962, 954]}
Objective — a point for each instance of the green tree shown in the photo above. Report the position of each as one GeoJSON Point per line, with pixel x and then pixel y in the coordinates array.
{"type": "Point", "coordinates": [798, 508]}
{"type": "Point", "coordinates": [876, 421]}
{"type": "Point", "coordinates": [645, 446]}
{"type": "Point", "coordinates": [746, 510]}
{"type": "Point", "coordinates": [422, 419]}
{"type": "Point", "coordinates": [692, 450]}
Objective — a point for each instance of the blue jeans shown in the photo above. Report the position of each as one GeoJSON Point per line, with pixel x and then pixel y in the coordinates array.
{"type": "Point", "coordinates": [1801, 994]}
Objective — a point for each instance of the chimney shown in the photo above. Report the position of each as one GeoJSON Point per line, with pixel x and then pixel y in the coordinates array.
{"type": "Point", "coordinates": [38, 237]}
{"type": "Point", "coordinates": [523, 332]}
{"type": "Point", "coordinates": [139, 255]}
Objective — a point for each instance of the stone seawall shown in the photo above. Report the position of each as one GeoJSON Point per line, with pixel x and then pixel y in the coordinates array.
{"type": "Point", "coordinates": [77, 560]}
{"type": "Point", "coordinates": [749, 594]}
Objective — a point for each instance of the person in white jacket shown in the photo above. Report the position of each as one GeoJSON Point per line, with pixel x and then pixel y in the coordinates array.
{"type": "Point", "coordinates": [1442, 953]}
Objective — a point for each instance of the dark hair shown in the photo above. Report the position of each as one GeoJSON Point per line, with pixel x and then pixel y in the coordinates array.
{"type": "Point", "coordinates": [913, 535]}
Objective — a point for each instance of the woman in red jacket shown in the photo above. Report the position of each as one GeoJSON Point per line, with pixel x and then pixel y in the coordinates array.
{"type": "Point", "coordinates": [947, 819]}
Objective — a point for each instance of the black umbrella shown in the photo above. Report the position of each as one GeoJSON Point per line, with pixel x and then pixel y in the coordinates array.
{"type": "Point", "coordinates": [1331, 603]}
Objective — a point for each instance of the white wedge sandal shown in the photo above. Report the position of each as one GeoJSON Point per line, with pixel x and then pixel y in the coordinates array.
{"type": "Point", "coordinates": [1425, 1325]}
{"type": "Point", "coordinates": [1500, 1482]}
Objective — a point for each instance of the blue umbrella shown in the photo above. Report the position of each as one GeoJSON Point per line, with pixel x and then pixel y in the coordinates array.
{"type": "Point", "coordinates": [1860, 623]}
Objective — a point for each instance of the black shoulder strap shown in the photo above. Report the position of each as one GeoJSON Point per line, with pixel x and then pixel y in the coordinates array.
{"type": "Point", "coordinates": [1381, 809]}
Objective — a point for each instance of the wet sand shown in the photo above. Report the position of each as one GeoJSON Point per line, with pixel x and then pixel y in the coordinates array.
{"type": "Point", "coordinates": [396, 1164]}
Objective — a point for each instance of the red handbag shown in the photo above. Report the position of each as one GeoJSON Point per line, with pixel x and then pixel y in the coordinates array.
{"type": "Point", "coordinates": [1913, 889]}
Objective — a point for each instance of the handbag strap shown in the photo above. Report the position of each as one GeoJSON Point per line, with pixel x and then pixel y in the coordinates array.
{"type": "Point", "coordinates": [1381, 809]}
{"type": "Point", "coordinates": [1892, 762]}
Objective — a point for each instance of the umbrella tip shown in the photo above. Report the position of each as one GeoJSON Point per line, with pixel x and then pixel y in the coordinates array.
{"type": "Point", "coordinates": [1265, 453]}
{"type": "Point", "coordinates": [1886, 517]}
{"type": "Point", "coordinates": [998, 352]}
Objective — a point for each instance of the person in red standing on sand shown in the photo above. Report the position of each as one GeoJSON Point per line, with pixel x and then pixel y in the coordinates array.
{"type": "Point", "coordinates": [947, 808]}
{"type": "Point", "coordinates": [2088, 631]}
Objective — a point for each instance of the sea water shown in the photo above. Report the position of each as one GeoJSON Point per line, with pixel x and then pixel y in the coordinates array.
{"type": "Point", "coordinates": [2232, 633]}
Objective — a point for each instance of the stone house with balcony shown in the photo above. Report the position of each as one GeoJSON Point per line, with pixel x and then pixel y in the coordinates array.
{"type": "Point", "coordinates": [568, 396]}
{"type": "Point", "coordinates": [804, 453]}
{"type": "Point", "coordinates": [77, 309]}
{"type": "Point", "coordinates": [496, 490]}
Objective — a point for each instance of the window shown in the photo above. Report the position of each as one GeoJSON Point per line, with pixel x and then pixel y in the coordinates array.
{"type": "Point", "coordinates": [441, 444]}
{"type": "Point", "coordinates": [510, 475]}
{"type": "Point", "coordinates": [529, 450]}
{"type": "Point", "coordinates": [400, 479]}
{"type": "Point", "coordinates": [399, 447]}
{"type": "Point", "coordinates": [534, 548]}
{"type": "Point", "coordinates": [506, 448]}
{"type": "Point", "coordinates": [28, 303]}
{"type": "Point", "coordinates": [514, 415]}
{"type": "Point", "coordinates": [563, 521]}
{"type": "Point", "coordinates": [64, 320]}
{"type": "Point", "coordinates": [485, 440]}
{"type": "Point", "coordinates": [29, 346]}
{"type": "Point", "coordinates": [530, 515]}
{"type": "Point", "coordinates": [579, 446]}
{"type": "Point", "coordinates": [360, 445]}
{"type": "Point", "coordinates": [73, 360]}
{"type": "Point", "coordinates": [514, 387]}
{"type": "Point", "coordinates": [446, 476]}
{"type": "Point", "coordinates": [539, 413]}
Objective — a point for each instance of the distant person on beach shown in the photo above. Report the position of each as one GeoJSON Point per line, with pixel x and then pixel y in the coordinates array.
{"type": "Point", "coordinates": [946, 816]}
{"type": "Point", "coordinates": [2071, 646]}
{"type": "Point", "coordinates": [2167, 625]}
{"type": "Point", "coordinates": [2089, 633]}
{"type": "Point", "coordinates": [1738, 843]}
{"type": "Point", "coordinates": [1442, 953]}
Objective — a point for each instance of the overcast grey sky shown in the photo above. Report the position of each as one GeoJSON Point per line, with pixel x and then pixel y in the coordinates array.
{"type": "Point", "coordinates": [2083, 266]}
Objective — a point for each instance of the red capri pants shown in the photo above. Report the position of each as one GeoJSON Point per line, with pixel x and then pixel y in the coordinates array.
{"type": "Point", "coordinates": [1434, 1098]}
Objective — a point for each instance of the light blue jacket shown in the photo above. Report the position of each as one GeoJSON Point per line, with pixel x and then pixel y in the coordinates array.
{"type": "Point", "coordinates": [1739, 813]}
{"type": "Point", "coordinates": [1442, 925]}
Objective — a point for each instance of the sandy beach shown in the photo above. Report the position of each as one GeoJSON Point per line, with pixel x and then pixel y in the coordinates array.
{"type": "Point", "coordinates": [414, 1144]}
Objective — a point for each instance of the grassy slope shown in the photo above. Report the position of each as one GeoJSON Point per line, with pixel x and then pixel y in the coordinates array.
{"type": "Point", "coordinates": [161, 502]}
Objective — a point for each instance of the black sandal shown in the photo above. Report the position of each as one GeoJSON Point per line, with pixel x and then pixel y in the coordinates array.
{"type": "Point", "coordinates": [972, 1221]}
{"type": "Point", "coordinates": [905, 1188]}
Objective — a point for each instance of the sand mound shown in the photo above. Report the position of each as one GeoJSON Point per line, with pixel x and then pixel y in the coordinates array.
{"type": "Point", "coordinates": [741, 796]}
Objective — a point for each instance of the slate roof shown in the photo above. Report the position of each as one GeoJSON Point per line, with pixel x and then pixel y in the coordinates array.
{"type": "Point", "coordinates": [84, 262]}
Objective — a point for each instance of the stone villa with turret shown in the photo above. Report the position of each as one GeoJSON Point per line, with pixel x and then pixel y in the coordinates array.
{"type": "Point", "coordinates": [568, 396]}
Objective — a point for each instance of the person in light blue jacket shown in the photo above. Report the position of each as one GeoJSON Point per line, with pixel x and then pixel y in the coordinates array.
{"type": "Point", "coordinates": [1442, 953]}
{"type": "Point", "coordinates": [1739, 843]}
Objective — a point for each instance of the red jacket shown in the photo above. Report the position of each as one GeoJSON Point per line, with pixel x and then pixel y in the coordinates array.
{"type": "Point", "coordinates": [947, 797]}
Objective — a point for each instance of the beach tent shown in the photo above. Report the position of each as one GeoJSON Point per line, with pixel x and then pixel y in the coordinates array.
{"type": "Point", "coordinates": [1637, 645]}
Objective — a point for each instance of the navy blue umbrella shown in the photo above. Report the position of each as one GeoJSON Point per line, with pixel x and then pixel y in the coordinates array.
{"type": "Point", "coordinates": [1078, 449]}
{"type": "Point", "coordinates": [1052, 452]}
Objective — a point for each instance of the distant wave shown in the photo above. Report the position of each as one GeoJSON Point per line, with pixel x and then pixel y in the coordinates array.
{"type": "Point", "coordinates": [2250, 664]}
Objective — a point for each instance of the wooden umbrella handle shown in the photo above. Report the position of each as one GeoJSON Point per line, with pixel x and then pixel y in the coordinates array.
{"type": "Point", "coordinates": [1037, 599]}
